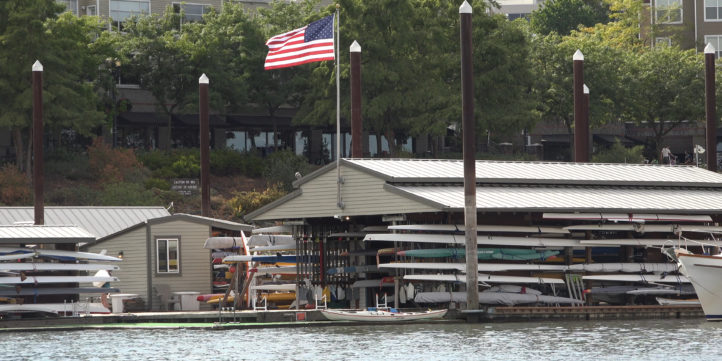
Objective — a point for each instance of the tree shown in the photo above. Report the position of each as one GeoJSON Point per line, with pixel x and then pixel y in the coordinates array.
{"type": "Point", "coordinates": [32, 30]}
{"type": "Point", "coordinates": [158, 52]}
{"type": "Point", "coordinates": [563, 16]}
{"type": "Point", "coordinates": [664, 89]}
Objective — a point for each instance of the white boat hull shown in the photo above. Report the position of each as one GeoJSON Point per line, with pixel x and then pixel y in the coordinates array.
{"type": "Point", "coordinates": [705, 273]}
{"type": "Point", "coordinates": [381, 316]}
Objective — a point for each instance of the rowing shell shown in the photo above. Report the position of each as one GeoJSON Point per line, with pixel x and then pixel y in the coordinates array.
{"type": "Point", "coordinates": [62, 255]}
{"type": "Point", "coordinates": [56, 267]}
{"type": "Point", "coordinates": [55, 279]}
{"type": "Point", "coordinates": [29, 291]}
{"type": "Point", "coordinates": [484, 278]}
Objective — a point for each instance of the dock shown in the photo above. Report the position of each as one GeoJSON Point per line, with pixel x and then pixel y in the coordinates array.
{"type": "Point", "coordinates": [313, 318]}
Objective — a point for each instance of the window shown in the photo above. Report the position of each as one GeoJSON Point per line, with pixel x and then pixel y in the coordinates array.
{"type": "Point", "coordinates": [716, 41]}
{"type": "Point", "coordinates": [123, 9]}
{"type": "Point", "coordinates": [662, 41]}
{"type": "Point", "coordinates": [193, 12]}
{"type": "Point", "coordinates": [91, 10]}
{"type": "Point", "coordinates": [669, 11]}
{"type": "Point", "coordinates": [713, 10]}
{"type": "Point", "coordinates": [70, 5]}
{"type": "Point", "coordinates": [168, 255]}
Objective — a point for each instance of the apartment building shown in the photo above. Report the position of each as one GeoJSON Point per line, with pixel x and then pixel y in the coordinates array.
{"type": "Point", "coordinates": [690, 24]}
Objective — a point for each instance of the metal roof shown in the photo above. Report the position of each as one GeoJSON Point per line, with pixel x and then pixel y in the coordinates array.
{"type": "Point", "coordinates": [452, 171]}
{"type": "Point", "coordinates": [44, 234]}
{"type": "Point", "coordinates": [569, 198]}
{"type": "Point", "coordinates": [98, 221]}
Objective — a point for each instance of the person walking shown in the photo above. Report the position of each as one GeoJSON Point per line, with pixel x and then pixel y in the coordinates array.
{"type": "Point", "coordinates": [666, 155]}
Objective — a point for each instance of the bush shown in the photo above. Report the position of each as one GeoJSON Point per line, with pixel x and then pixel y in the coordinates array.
{"type": "Point", "coordinates": [282, 166]}
{"type": "Point", "coordinates": [157, 183]}
{"type": "Point", "coordinates": [127, 194]}
{"type": "Point", "coordinates": [75, 195]}
{"type": "Point", "coordinates": [110, 165]}
{"type": "Point", "coordinates": [618, 153]}
{"type": "Point", "coordinates": [187, 166]}
{"type": "Point", "coordinates": [73, 167]}
{"type": "Point", "coordinates": [156, 159]}
{"type": "Point", "coordinates": [245, 202]}
{"type": "Point", "coordinates": [14, 186]}
{"type": "Point", "coordinates": [252, 165]}
{"type": "Point", "coordinates": [226, 162]}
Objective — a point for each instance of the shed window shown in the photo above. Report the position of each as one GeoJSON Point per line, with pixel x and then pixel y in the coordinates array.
{"type": "Point", "coordinates": [168, 255]}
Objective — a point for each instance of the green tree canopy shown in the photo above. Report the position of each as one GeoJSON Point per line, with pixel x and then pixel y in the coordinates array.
{"type": "Point", "coordinates": [563, 16]}
{"type": "Point", "coordinates": [31, 30]}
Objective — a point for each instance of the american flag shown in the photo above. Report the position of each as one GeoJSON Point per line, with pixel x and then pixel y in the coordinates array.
{"type": "Point", "coordinates": [313, 42]}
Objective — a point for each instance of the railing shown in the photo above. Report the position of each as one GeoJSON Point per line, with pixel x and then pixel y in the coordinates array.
{"type": "Point", "coordinates": [319, 306]}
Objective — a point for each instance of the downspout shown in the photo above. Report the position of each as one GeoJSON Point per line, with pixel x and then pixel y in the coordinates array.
{"type": "Point", "coordinates": [651, 24]}
{"type": "Point", "coordinates": [149, 263]}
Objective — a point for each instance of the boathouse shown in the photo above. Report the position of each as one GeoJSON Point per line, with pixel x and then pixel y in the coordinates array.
{"type": "Point", "coordinates": [334, 217]}
{"type": "Point", "coordinates": [164, 258]}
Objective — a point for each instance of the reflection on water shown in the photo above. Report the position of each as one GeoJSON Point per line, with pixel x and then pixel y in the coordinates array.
{"type": "Point", "coordinates": [693, 339]}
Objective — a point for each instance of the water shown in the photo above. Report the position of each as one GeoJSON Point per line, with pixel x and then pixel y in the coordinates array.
{"type": "Point", "coordinates": [692, 339]}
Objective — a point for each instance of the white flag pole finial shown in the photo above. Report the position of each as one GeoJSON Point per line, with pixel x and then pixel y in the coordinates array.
{"type": "Point", "coordinates": [203, 79]}
{"type": "Point", "coordinates": [37, 66]}
{"type": "Point", "coordinates": [355, 47]}
{"type": "Point", "coordinates": [465, 8]}
{"type": "Point", "coordinates": [709, 49]}
{"type": "Point", "coordinates": [578, 55]}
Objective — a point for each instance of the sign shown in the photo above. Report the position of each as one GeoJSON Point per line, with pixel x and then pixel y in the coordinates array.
{"type": "Point", "coordinates": [185, 186]}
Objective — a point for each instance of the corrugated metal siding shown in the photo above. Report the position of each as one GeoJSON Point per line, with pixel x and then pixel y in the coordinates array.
{"type": "Point", "coordinates": [511, 172]}
{"type": "Point", "coordinates": [99, 221]}
{"type": "Point", "coordinates": [133, 268]}
{"type": "Point", "coordinates": [195, 262]}
{"type": "Point", "coordinates": [361, 193]}
{"type": "Point", "coordinates": [575, 198]}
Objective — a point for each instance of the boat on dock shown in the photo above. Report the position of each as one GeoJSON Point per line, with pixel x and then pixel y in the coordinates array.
{"type": "Point", "coordinates": [374, 314]}
{"type": "Point", "coordinates": [704, 271]}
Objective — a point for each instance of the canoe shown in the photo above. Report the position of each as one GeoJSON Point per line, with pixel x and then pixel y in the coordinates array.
{"type": "Point", "coordinates": [60, 255]}
{"type": "Point", "coordinates": [262, 259]}
{"type": "Point", "coordinates": [275, 287]}
{"type": "Point", "coordinates": [625, 217]}
{"type": "Point", "coordinates": [275, 270]}
{"type": "Point", "coordinates": [381, 315]}
{"type": "Point", "coordinates": [278, 296]}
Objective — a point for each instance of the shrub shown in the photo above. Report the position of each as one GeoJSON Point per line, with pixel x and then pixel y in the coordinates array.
{"type": "Point", "coordinates": [252, 165]}
{"type": "Point", "coordinates": [75, 195]}
{"type": "Point", "coordinates": [226, 162]}
{"type": "Point", "coordinates": [187, 166]}
{"type": "Point", "coordinates": [244, 202]}
{"type": "Point", "coordinates": [282, 166]}
{"type": "Point", "coordinates": [127, 194]}
{"type": "Point", "coordinates": [75, 167]}
{"type": "Point", "coordinates": [110, 165]}
{"type": "Point", "coordinates": [157, 183]}
{"type": "Point", "coordinates": [14, 186]}
{"type": "Point", "coordinates": [618, 153]}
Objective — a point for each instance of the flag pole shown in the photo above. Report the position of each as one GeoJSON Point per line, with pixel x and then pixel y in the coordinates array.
{"type": "Point", "coordinates": [339, 204]}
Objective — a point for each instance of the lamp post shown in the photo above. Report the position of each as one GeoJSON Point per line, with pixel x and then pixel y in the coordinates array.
{"type": "Point", "coordinates": [205, 158]}
{"type": "Point", "coordinates": [38, 142]}
{"type": "Point", "coordinates": [356, 127]}
{"type": "Point", "coordinates": [581, 154]}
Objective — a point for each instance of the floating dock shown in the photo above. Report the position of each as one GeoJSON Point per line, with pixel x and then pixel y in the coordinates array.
{"type": "Point", "coordinates": [314, 318]}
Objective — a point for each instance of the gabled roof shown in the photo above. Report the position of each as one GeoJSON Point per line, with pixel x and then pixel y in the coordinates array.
{"type": "Point", "coordinates": [452, 171]}
{"type": "Point", "coordinates": [98, 221]}
{"type": "Point", "coordinates": [522, 186]}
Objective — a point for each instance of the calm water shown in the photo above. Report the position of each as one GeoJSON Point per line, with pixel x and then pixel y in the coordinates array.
{"type": "Point", "coordinates": [693, 339]}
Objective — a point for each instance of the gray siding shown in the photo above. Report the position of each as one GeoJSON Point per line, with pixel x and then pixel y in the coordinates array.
{"type": "Point", "coordinates": [362, 194]}
{"type": "Point", "coordinates": [195, 261]}
{"type": "Point", "coordinates": [132, 272]}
